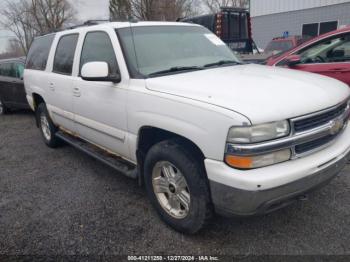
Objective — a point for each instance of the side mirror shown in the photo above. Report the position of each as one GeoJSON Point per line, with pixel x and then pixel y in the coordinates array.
{"type": "Point", "coordinates": [99, 72]}
{"type": "Point", "coordinates": [293, 60]}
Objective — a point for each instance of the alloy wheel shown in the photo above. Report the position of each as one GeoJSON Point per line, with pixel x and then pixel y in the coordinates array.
{"type": "Point", "coordinates": [2, 109]}
{"type": "Point", "coordinates": [45, 127]}
{"type": "Point", "coordinates": [171, 189]}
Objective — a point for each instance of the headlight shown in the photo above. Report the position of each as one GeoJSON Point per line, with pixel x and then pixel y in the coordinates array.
{"type": "Point", "coordinates": [249, 162]}
{"type": "Point", "coordinates": [258, 133]}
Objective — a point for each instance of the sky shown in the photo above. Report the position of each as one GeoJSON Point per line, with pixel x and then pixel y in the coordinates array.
{"type": "Point", "coordinates": [85, 10]}
{"type": "Point", "coordinates": [91, 9]}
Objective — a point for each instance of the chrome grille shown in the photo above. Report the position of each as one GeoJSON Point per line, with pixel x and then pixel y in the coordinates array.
{"type": "Point", "coordinates": [337, 115]}
{"type": "Point", "coordinates": [319, 119]}
{"type": "Point", "coordinates": [312, 145]}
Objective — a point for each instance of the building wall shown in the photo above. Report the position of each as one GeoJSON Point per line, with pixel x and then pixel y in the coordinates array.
{"type": "Point", "coordinates": [269, 26]}
{"type": "Point", "coordinates": [265, 7]}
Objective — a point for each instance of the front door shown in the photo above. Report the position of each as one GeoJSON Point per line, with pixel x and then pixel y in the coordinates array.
{"type": "Point", "coordinates": [329, 57]}
{"type": "Point", "coordinates": [100, 107]}
{"type": "Point", "coordinates": [339, 71]}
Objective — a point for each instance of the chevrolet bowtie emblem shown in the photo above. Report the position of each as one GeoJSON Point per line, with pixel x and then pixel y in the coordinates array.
{"type": "Point", "coordinates": [336, 126]}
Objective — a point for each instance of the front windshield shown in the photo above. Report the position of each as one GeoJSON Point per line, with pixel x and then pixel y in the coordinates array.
{"type": "Point", "coordinates": [152, 49]}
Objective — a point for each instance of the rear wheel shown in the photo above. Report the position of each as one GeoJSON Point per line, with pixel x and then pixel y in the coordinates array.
{"type": "Point", "coordinates": [47, 128]}
{"type": "Point", "coordinates": [177, 186]}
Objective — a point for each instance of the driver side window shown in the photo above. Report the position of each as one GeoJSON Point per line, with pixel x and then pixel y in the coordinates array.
{"type": "Point", "coordinates": [98, 48]}
{"type": "Point", "coordinates": [331, 50]}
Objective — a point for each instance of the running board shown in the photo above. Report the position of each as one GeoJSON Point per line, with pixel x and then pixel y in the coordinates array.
{"type": "Point", "coordinates": [117, 163]}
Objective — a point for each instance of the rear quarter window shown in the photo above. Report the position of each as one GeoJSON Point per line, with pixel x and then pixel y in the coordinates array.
{"type": "Point", "coordinates": [39, 52]}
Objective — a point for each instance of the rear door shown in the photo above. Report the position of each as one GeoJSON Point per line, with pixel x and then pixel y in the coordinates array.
{"type": "Point", "coordinates": [6, 85]}
{"type": "Point", "coordinates": [18, 91]}
{"type": "Point", "coordinates": [60, 81]}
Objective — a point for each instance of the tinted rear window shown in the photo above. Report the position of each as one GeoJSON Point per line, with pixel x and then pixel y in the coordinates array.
{"type": "Point", "coordinates": [64, 56]}
{"type": "Point", "coordinates": [39, 52]}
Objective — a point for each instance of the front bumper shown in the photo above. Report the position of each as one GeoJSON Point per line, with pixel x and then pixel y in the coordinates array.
{"type": "Point", "coordinates": [230, 201]}
{"type": "Point", "coordinates": [262, 190]}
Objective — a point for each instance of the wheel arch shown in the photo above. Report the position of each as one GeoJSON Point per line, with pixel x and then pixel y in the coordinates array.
{"type": "Point", "coordinates": [148, 136]}
{"type": "Point", "coordinates": [37, 100]}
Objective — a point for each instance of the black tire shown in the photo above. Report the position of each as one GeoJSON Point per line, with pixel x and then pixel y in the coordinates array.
{"type": "Point", "coordinates": [200, 209]}
{"type": "Point", "coordinates": [3, 108]}
{"type": "Point", "coordinates": [51, 141]}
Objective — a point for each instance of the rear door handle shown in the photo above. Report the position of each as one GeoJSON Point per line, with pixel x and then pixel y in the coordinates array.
{"type": "Point", "coordinates": [76, 92]}
{"type": "Point", "coordinates": [52, 87]}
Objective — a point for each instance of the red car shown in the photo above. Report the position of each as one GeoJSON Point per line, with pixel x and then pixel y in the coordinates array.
{"type": "Point", "coordinates": [328, 55]}
{"type": "Point", "coordinates": [282, 44]}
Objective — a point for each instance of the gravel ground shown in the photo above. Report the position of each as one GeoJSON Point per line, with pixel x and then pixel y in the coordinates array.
{"type": "Point", "coordinates": [62, 202]}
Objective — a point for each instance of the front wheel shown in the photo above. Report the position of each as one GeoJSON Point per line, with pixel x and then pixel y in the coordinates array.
{"type": "Point", "coordinates": [47, 128]}
{"type": "Point", "coordinates": [177, 186]}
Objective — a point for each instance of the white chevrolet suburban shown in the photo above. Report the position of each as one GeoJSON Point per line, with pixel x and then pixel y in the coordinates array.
{"type": "Point", "coordinates": [170, 105]}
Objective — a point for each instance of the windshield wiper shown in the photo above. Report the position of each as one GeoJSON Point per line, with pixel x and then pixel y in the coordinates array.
{"type": "Point", "coordinates": [223, 62]}
{"type": "Point", "coordinates": [176, 69]}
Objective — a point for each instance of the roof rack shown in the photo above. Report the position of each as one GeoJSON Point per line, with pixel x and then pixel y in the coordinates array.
{"type": "Point", "coordinates": [90, 23]}
{"type": "Point", "coordinates": [228, 8]}
{"type": "Point", "coordinates": [100, 21]}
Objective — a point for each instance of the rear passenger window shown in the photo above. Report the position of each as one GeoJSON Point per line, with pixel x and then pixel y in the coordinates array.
{"type": "Point", "coordinates": [64, 57]}
{"type": "Point", "coordinates": [39, 52]}
{"type": "Point", "coordinates": [98, 48]}
{"type": "Point", "coordinates": [8, 70]}
{"type": "Point", "coordinates": [2, 70]}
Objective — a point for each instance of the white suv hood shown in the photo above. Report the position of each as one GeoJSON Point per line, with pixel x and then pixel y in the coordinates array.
{"type": "Point", "coordinates": [261, 93]}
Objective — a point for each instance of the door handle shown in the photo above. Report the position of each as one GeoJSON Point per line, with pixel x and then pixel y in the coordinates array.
{"type": "Point", "coordinates": [52, 87]}
{"type": "Point", "coordinates": [76, 92]}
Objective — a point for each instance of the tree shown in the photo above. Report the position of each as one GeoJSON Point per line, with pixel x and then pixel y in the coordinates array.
{"type": "Point", "coordinates": [16, 18]}
{"type": "Point", "coordinates": [50, 15]}
{"type": "Point", "coordinates": [13, 49]}
{"type": "Point", "coordinates": [30, 18]}
{"type": "Point", "coordinates": [120, 9]}
{"type": "Point", "coordinates": [214, 5]}
{"type": "Point", "coordinates": [164, 10]}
